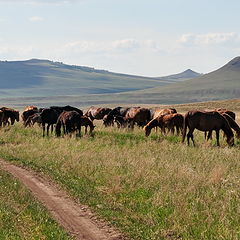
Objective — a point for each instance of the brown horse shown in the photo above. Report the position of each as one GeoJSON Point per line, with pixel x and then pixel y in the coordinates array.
{"type": "Point", "coordinates": [35, 118]}
{"type": "Point", "coordinates": [138, 115]}
{"type": "Point", "coordinates": [97, 113]}
{"type": "Point", "coordinates": [232, 124]}
{"type": "Point", "coordinates": [11, 114]}
{"type": "Point", "coordinates": [70, 121]}
{"type": "Point", "coordinates": [115, 116]}
{"type": "Point", "coordinates": [28, 112]}
{"type": "Point", "coordinates": [206, 121]}
{"type": "Point", "coordinates": [87, 122]}
{"type": "Point", "coordinates": [169, 121]}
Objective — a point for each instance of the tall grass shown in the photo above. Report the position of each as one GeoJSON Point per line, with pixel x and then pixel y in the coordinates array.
{"type": "Point", "coordinates": [21, 217]}
{"type": "Point", "coordinates": [151, 188]}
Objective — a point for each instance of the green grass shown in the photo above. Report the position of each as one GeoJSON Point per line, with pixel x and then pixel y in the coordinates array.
{"type": "Point", "coordinates": [151, 188]}
{"type": "Point", "coordinates": [21, 217]}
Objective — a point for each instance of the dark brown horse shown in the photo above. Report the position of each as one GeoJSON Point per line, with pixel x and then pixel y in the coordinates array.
{"type": "Point", "coordinates": [9, 113]}
{"type": "Point", "coordinates": [169, 121]}
{"type": "Point", "coordinates": [97, 113]}
{"type": "Point", "coordinates": [49, 116]}
{"type": "Point", "coordinates": [35, 118]}
{"type": "Point", "coordinates": [28, 112]}
{"type": "Point", "coordinates": [140, 116]}
{"type": "Point", "coordinates": [206, 121]}
{"type": "Point", "coordinates": [232, 124]}
{"type": "Point", "coordinates": [87, 122]}
{"type": "Point", "coordinates": [70, 121]}
{"type": "Point", "coordinates": [113, 115]}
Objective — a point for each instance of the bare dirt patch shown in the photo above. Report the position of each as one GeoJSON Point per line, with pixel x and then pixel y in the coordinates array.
{"type": "Point", "coordinates": [77, 219]}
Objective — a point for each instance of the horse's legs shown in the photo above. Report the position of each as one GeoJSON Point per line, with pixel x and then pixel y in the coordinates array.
{"type": "Point", "coordinates": [86, 129]}
{"type": "Point", "coordinates": [217, 137]}
{"type": "Point", "coordinates": [51, 128]}
{"type": "Point", "coordinates": [64, 128]}
{"type": "Point", "coordinates": [190, 135]}
{"type": "Point", "coordinates": [43, 126]}
{"type": "Point", "coordinates": [48, 126]}
{"type": "Point", "coordinates": [209, 136]}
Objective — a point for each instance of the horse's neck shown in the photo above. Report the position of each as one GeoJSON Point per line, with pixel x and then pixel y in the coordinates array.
{"type": "Point", "coordinates": [227, 129]}
{"type": "Point", "coordinates": [153, 123]}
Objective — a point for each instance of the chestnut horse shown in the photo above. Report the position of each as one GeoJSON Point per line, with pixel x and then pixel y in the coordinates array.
{"type": "Point", "coordinates": [169, 121]}
{"type": "Point", "coordinates": [206, 121]}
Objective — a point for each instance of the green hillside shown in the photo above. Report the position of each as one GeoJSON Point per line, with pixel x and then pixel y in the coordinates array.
{"type": "Point", "coordinates": [46, 78]}
{"type": "Point", "coordinates": [221, 84]}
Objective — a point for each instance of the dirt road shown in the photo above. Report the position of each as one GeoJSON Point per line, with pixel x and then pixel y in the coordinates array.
{"type": "Point", "coordinates": [75, 218]}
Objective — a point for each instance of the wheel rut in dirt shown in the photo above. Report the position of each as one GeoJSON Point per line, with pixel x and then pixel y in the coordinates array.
{"type": "Point", "coordinates": [77, 219]}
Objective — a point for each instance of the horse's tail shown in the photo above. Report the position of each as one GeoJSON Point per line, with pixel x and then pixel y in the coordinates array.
{"type": "Point", "coordinates": [58, 128]}
{"type": "Point", "coordinates": [185, 125]}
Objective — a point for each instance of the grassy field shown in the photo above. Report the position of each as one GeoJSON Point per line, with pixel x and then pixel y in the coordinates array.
{"type": "Point", "coordinates": [150, 188]}
{"type": "Point", "coordinates": [21, 217]}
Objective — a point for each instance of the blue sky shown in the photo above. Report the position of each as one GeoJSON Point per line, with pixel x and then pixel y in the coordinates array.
{"type": "Point", "coordinates": [143, 37]}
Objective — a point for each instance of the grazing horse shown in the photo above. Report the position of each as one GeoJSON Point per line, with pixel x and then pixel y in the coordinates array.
{"type": "Point", "coordinates": [9, 113]}
{"type": "Point", "coordinates": [232, 124]}
{"type": "Point", "coordinates": [109, 119]}
{"type": "Point", "coordinates": [138, 115]}
{"type": "Point", "coordinates": [35, 118]}
{"type": "Point", "coordinates": [97, 113]}
{"type": "Point", "coordinates": [87, 122]}
{"type": "Point", "coordinates": [170, 121]}
{"type": "Point", "coordinates": [70, 121]}
{"type": "Point", "coordinates": [222, 111]}
{"type": "Point", "coordinates": [206, 121]}
{"type": "Point", "coordinates": [28, 112]}
{"type": "Point", "coordinates": [49, 116]}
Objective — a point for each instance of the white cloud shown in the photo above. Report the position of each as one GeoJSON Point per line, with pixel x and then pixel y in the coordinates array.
{"type": "Point", "coordinates": [36, 19]}
{"type": "Point", "coordinates": [121, 45]}
{"type": "Point", "coordinates": [209, 38]}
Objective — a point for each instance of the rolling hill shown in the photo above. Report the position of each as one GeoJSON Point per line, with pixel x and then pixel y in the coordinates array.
{"type": "Point", "coordinates": [43, 78]}
{"type": "Point", "coordinates": [221, 84]}
{"type": "Point", "coordinates": [44, 83]}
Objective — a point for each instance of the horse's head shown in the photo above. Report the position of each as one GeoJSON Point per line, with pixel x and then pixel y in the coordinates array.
{"type": "Point", "coordinates": [147, 130]}
{"type": "Point", "coordinates": [107, 120]}
{"type": "Point", "coordinates": [230, 141]}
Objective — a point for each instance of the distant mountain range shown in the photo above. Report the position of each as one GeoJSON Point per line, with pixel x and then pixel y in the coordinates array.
{"type": "Point", "coordinates": [43, 82]}
{"type": "Point", "coordinates": [36, 77]}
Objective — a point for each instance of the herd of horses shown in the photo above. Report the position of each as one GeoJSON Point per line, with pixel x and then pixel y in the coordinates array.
{"type": "Point", "coordinates": [70, 120]}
